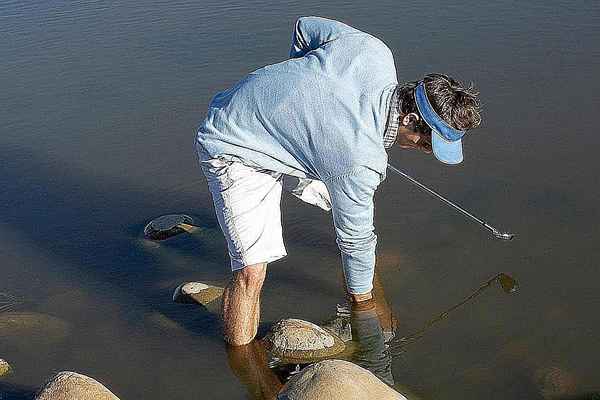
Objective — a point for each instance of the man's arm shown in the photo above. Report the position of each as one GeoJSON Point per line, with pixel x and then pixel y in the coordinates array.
{"type": "Point", "coordinates": [310, 33]}
{"type": "Point", "coordinates": [352, 208]}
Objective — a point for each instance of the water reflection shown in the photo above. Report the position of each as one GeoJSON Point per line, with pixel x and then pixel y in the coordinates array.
{"type": "Point", "coordinates": [250, 364]}
{"type": "Point", "coordinates": [370, 352]}
{"type": "Point", "coordinates": [507, 283]}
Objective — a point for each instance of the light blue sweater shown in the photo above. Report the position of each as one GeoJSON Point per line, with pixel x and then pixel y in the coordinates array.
{"type": "Point", "coordinates": [319, 115]}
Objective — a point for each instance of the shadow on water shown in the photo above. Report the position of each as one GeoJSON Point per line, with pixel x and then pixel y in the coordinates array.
{"type": "Point", "coordinates": [16, 392]}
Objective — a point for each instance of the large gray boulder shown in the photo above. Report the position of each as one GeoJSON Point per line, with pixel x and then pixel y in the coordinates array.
{"type": "Point", "coordinates": [297, 341]}
{"type": "Point", "coordinates": [336, 379]}
{"type": "Point", "coordinates": [73, 386]}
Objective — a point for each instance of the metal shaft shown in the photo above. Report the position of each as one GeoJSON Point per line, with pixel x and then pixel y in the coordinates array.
{"type": "Point", "coordinates": [494, 231]}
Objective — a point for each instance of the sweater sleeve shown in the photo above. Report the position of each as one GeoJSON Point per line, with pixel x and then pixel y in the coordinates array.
{"type": "Point", "coordinates": [310, 33]}
{"type": "Point", "coordinates": [353, 209]}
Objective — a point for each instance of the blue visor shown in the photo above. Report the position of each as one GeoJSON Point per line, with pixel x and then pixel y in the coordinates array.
{"type": "Point", "coordinates": [446, 141]}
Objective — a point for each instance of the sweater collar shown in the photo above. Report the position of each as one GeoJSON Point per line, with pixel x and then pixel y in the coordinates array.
{"type": "Point", "coordinates": [393, 120]}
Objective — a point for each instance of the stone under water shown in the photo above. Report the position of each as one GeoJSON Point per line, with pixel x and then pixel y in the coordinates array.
{"type": "Point", "coordinates": [43, 328]}
{"type": "Point", "coordinates": [197, 292]}
{"type": "Point", "coordinates": [555, 382]}
{"type": "Point", "coordinates": [298, 341]}
{"type": "Point", "coordinates": [336, 379]}
{"type": "Point", "coordinates": [167, 226]}
{"type": "Point", "coordinates": [73, 386]}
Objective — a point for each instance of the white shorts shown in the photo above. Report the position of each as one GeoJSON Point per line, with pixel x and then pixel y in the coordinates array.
{"type": "Point", "coordinates": [247, 205]}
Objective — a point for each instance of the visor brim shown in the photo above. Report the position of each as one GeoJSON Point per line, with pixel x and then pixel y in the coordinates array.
{"type": "Point", "coordinates": [446, 151]}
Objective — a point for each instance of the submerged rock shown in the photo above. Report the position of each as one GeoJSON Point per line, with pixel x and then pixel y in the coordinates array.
{"type": "Point", "coordinates": [197, 292]}
{"type": "Point", "coordinates": [14, 326]}
{"type": "Point", "coordinates": [73, 386]}
{"type": "Point", "coordinates": [298, 341]}
{"type": "Point", "coordinates": [5, 368]}
{"type": "Point", "coordinates": [168, 226]}
{"type": "Point", "coordinates": [554, 382]}
{"type": "Point", "coordinates": [336, 379]}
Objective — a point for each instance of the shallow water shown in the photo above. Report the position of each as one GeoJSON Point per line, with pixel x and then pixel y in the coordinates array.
{"type": "Point", "coordinates": [99, 105]}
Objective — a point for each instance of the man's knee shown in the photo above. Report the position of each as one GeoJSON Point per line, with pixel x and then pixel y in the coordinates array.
{"type": "Point", "coordinates": [251, 276]}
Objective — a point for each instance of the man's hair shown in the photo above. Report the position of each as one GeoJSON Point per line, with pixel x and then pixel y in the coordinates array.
{"type": "Point", "coordinates": [457, 104]}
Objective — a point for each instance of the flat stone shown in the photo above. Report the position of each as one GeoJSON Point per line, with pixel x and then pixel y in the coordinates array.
{"type": "Point", "coordinates": [336, 379]}
{"type": "Point", "coordinates": [73, 386]}
{"type": "Point", "coordinates": [5, 368]}
{"type": "Point", "coordinates": [197, 292]}
{"type": "Point", "coordinates": [295, 340]}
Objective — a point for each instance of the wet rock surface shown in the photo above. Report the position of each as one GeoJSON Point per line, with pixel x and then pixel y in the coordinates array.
{"type": "Point", "coordinates": [5, 368]}
{"type": "Point", "coordinates": [336, 379]}
{"type": "Point", "coordinates": [197, 292]}
{"type": "Point", "coordinates": [295, 340]}
{"type": "Point", "coordinates": [167, 226]}
{"type": "Point", "coordinates": [73, 386]}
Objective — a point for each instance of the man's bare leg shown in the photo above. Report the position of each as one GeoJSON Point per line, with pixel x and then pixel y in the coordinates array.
{"type": "Point", "coordinates": [241, 304]}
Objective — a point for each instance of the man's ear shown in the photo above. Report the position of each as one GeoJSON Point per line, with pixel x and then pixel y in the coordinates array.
{"type": "Point", "coordinates": [410, 118]}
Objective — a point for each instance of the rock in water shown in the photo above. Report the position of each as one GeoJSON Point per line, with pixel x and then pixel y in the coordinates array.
{"type": "Point", "coordinates": [73, 386]}
{"type": "Point", "coordinates": [167, 226]}
{"type": "Point", "coordinates": [298, 341]}
{"type": "Point", "coordinates": [336, 379]}
{"type": "Point", "coordinates": [197, 292]}
{"type": "Point", "coordinates": [554, 382]}
{"type": "Point", "coordinates": [4, 368]}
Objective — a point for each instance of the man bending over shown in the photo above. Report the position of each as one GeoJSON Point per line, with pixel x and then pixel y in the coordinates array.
{"type": "Point", "coordinates": [321, 120]}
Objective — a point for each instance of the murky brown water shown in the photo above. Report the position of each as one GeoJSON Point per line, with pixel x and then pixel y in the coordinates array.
{"type": "Point", "coordinates": [99, 103]}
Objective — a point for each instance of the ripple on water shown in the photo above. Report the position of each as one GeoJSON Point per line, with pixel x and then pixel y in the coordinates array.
{"type": "Point", "coordinates": [8, 302]}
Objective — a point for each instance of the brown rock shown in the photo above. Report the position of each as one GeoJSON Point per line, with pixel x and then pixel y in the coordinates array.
{"type": "Point", "coordinates": [73, 386]}
{"type": "Point", "coordinates": [298, 341]}
{"type": "Point", "coordinates": [336, 379]}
